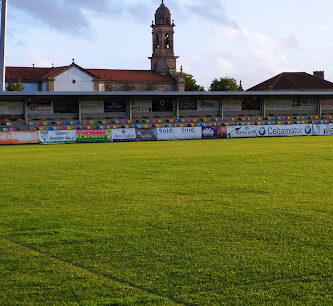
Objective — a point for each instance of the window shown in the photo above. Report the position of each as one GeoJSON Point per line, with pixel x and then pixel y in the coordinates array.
{"type": "Point", "coordinates": [167, 41]}
{"type": "Point", "coordinates": [73, 81]}
{"type": "Point", "coordinates": [157, 41]}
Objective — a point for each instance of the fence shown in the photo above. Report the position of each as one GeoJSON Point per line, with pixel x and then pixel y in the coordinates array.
{"type": "Point", "coordinates": [155, 134]}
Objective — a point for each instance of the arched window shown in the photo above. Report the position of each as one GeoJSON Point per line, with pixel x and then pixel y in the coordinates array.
{"type": "Point", "coordinates": [157, 41]}
{"type": "Point", "coordinates": [167, 41]}
{"type": "Point", "coordinates": [167, 20]}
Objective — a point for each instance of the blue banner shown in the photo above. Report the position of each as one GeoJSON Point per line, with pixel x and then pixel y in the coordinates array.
{"type": "Point", "coordinates": [209, 132]}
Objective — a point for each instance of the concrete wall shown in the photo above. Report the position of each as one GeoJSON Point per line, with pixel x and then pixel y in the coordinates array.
{"type": "Point", "coordinates": [74, 80]}
{"type": "Point", "coordinates": [137, 86]}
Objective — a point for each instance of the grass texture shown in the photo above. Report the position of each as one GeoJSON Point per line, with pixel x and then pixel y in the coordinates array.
{"type": "Point", "coordinates": [227, 222]}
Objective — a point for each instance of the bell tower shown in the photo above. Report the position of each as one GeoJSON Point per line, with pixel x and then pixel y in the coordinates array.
{"type": "Point", "coordinates": [163, 60]}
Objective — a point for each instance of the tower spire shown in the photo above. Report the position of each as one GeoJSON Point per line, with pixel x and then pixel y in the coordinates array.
{"type": "Point", "coordinates": [163, 60]}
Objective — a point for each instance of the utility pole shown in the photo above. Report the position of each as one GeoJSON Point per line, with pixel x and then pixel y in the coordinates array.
{"type": "Point", "coordinates": [3, 46]}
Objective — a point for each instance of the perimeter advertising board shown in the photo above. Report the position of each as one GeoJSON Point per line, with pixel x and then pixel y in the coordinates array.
{"type": "Point", "coordinates": [10, 138]}
{"type": "Point", "coordinates": [94, 135]}
{"type": "Point", "coordinates": [123, 135]}
{"type": "Point", "coordinates": [323, 129]}
{"type": "Point", "coordinates": [209, 132]}
{"type": "Point", "coordinates": [49, 137]}
{"type": "Point", "coordinates": [285, 130]}
{"type": "Point", "coordinates": [242, 131]}
{"type": "Point", "coordinates": [181, 133]}
{"type": "Point", "coordinates": [146, 135]}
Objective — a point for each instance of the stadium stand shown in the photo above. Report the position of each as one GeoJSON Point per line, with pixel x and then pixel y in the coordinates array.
{"type": "Point", "coordinates": [90, 123]}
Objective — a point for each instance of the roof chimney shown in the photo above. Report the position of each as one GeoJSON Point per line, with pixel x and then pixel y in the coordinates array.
{"type": "Point", "coordinates": [319, 74]}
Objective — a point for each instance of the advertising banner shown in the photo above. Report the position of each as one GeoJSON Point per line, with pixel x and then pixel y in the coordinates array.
{"type": "Point", "coordinates": [92, 107]}
{"type": "Point", "coordinates": [285, 130]}
{"type": "Point", "coordinates": [208, 106]}
{"type": "Point", "coordinates": [115, 106]}
{"type": "Point", "coordinates": [326, 105]}
{"type": "Point", "coordinates": [323, 129]}
{"type": "Point", "coordinates": [49, 137]}
{"type": "Point", "coordinates": [251, 104]}
{"type": "Point", "coordinates": [209, 132]}
{"type": "Point", "coordinates": [40, 108]}
{"type": "Point", "coordinates": [93, 135]}
{"type": "Point", "coordinates": [232, 105]}
{"type": "Point", "coordinates": [222, 132]}
{"type": "Point", "coordinates": [242, 131]}
{"type": "Point", "coordinates": [9, 138]}
{"type": "Point", "coordinates": [146, 134]}
{"type": "Point", "coordinates": [142, 107]}
{"type": "Point", "coordinates": [179, 133]}
{"type": "Point", "coordinates": [11, 108]}
{"type": "Point", "coordinates": [294, 105]}
{"type": "Point", "coordinates": [65, 107]}
{"type": "Point", "coordinates": [189, 105]}
{"type": "Point", "coordinates": [123, 135]}
{"type": "Point", "coordinates": [162, 105]}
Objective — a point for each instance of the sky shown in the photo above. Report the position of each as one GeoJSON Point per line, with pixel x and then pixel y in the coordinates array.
{"type": "Point", "coordinates": [247, 40]}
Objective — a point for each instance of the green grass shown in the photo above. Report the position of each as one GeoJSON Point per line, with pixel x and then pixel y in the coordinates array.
{"type": "Point", "coordinates": [229, 222]}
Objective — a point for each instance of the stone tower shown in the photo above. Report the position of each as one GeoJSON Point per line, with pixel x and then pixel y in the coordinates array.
{"type": "Point", "coordinates": [163, 60]}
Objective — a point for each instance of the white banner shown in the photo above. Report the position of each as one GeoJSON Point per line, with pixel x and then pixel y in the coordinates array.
{"type": "Point", "coordinates": [322, 129]}
{"type": "Point", "coordinates": [208, 106]}
{"type": "Point", "coordinates": [142, 107]}
{"type": "Point", "coordinates": [120, 135]}
{"type": "Point", "coordinates": [326, 105]}
{"type": "Point", "coordinates": [285, 130]}
{"type": "Point", "coordinates": [57, 136]}
{"type": "Point", "coordinates": [293, 105]}
{"type": "Point", "coordinates": [232, 105]}
{"type": "Point", "coordinates": [40, 108]}
{"type": "Point", "coordinates": [93, 107]}
{"type": "Point", "coordinates": [179, 133]}
{"type": "Point", "coordinates": [242, 131]}
{"type": "Point", "coordinates": [11, 108]}
{"type": "Point", "coordinates": [24, 137]}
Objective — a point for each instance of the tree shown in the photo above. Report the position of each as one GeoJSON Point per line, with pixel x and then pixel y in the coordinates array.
{"type": "Point", "coordinates": [15, 86]}
{"type": "Point", "coordinates": [224, 84]}
{"type": "Point", "coordinates": [191, 83]}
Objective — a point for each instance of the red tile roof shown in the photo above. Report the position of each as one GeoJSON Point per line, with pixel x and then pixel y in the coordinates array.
{"type": "Point", "coordinates": [26, 73]}
{"type": "Point", "coordinates": [40, 74]}
{"type": "Point", "coordinates": [301, 81]}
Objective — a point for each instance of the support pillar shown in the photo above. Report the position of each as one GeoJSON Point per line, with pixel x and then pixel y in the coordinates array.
{"type": "Point", "coordinates": [26, 112]}
{"type": "Point", "coordinates": [3, 46]}
{"type": "Point", "coordinates": [80, 113]}
{"type": "Point", "coordinates": [177, 109]}
{"type": "Point", "coordinates": [130, 110]}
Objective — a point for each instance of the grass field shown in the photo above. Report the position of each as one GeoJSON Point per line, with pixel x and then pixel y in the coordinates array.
{"type": "Point", "coordinates": [229, 222]}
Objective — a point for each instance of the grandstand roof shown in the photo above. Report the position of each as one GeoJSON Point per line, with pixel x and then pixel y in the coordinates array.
{"type": "Point", "coordinates": [299, 81]}
{"type": "Point", "coordinates": [217, 94]}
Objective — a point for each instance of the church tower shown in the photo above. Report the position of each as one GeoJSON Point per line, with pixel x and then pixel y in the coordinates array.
{"type": "Point", "coordinates": [163, 60]}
